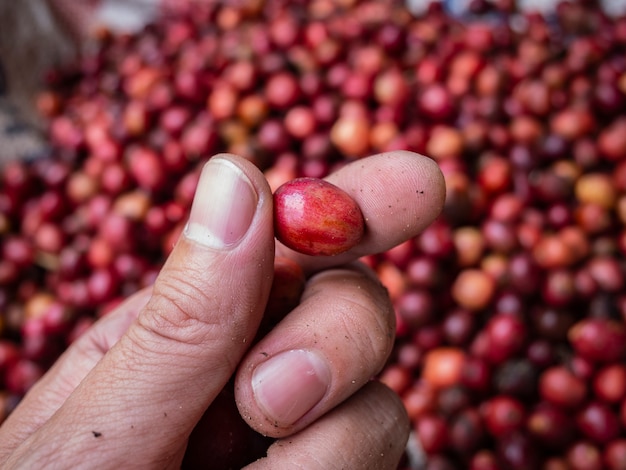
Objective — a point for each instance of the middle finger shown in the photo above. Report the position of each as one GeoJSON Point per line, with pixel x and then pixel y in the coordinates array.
{"type": "Point", "coordinates": [321, 353]}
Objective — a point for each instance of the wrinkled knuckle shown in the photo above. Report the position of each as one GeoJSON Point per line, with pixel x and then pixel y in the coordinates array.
{"type": "Point", "coordinates": [363, 309]}
{"type": "Point", "coordinates": [370, 343]}
{"type": "Point", "coordinates": [367, 321]}
{"type": "Point", "coordinates": [175, 311]}
{"type": "Point", "coordinates": [375, 302]}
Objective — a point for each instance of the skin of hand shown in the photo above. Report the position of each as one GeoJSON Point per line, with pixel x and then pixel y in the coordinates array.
{"type": "Point", "coordinates": [76, 16]}
{"type": "Point", "coordinates": [80, 17]}
{"type": "Point", "coordinates": [131, 390]}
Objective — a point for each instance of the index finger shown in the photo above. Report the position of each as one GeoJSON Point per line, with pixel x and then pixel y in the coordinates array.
{"type": "Point", "coordinates": [400, 193]}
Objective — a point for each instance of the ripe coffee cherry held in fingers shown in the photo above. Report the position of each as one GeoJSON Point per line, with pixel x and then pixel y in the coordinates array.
{"type": "Point", "coordinates": [315, 217]}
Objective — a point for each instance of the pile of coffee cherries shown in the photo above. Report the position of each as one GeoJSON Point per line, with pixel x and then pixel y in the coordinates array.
{"type": "Point", "coordinates": [511, 307]}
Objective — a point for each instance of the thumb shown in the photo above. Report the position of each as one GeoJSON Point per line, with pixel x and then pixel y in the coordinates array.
{"type": "Point", "coordinates": [157, 380]}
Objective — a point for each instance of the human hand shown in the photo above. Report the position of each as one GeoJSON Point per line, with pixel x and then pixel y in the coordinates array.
{"type": "Point", "coordinates": [131, 390]}
{"type": "Point", "coordinates": [81, 17]}
{"type": "Point", "coordinates": [76, 16]}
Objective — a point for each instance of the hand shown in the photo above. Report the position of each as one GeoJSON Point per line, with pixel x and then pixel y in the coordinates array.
{"type": "Point", "coordinates": [77, 16]}
{"type": "Point", "coordinates": [131, 390]}
{"type": "Point", "coordinates": [81, 17]}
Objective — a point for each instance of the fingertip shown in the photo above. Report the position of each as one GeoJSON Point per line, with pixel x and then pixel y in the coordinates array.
{"type": "Point", "coordinates": [428, 178]}
{"type": "Point", "coordinates": [291, 376]}
{"type": "Point", "coordinates": [249, 168]}
{"type": "Point", "coordinates": [399, 192]}
{"type": "Point", "coordinates": [433, 173]}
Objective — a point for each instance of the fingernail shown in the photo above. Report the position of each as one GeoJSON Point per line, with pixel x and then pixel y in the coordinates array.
{"type": "Point", "coordinates": [289, 384]}
{"type": "Point", "coordinates": [223, 206]}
